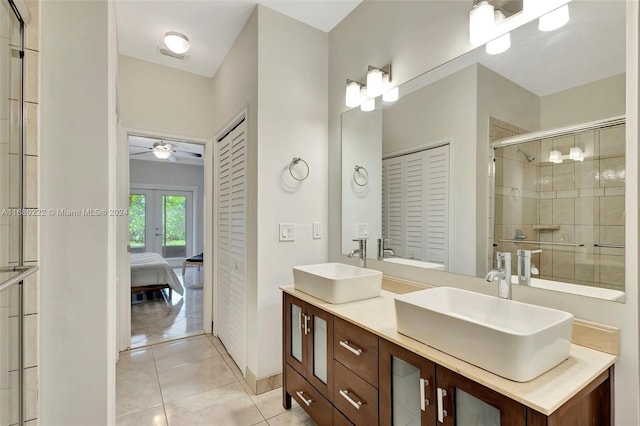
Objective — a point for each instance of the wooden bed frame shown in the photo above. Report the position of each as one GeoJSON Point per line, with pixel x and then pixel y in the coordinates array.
{"type": "Point", "coordinates": [152, 287]}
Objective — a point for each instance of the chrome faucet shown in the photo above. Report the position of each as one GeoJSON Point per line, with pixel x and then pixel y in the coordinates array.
{"type": "Point", "coordinates": [361, 251]}
{"type": "Point", "coordinates": [384, 252]}
{"type": "Point", "coordinates": [502, 273]}
{"type": "Point", "coordinates": [525, 267]}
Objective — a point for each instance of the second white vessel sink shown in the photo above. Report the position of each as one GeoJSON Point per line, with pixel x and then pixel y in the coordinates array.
{"type": "Point", "coordinates": [337, 282]}
{"type": "Point", "coordinates": [514, 340]}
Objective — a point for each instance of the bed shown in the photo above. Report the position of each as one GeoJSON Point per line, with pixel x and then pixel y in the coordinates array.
{"type": "Point", "coordinates": [149, 271]}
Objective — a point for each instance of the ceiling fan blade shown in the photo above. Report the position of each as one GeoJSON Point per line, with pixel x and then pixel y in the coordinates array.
{"type": "Point", "coordinates": [193, 154]}
{"type": "Point", "coordinates": [142, 147]}
{"type": "Point", "coordinates": [138, 153]}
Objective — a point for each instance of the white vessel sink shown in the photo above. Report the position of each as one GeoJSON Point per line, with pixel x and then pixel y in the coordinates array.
{"type": "Point", "coordinates": [337, 282]}
{"type": "Point", "coordinates": [514, 340]}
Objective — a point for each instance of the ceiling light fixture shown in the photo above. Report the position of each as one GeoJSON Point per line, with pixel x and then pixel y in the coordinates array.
{"type": "Point", "coordinates": [481, 22]}
{"type": "Point", "coordinates": [502, 43]}
{"type": "Point", "coordinates": [555, 19]}
{"type": "Point", "coordinates": [177, 42]}
{"type": "Point", "coordinates": [162, 150]}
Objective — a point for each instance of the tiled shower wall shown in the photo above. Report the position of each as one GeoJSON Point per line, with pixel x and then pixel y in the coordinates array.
{"type": "Point", "coordinates": [571, 202]}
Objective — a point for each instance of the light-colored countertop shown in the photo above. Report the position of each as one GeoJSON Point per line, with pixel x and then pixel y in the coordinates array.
{"type": "Point", "coordinates": [545, 394]}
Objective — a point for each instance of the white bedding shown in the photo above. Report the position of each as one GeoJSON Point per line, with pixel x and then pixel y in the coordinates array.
{"type": "Point", "coordinates": [151, 269]}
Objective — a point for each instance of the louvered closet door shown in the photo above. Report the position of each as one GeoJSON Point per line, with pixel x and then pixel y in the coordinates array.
{"type": "Point", "coordinates": [414, 206]}
{"type": "Point", "coordinates": [436, 192]}
{"type": "Point", "coordinates": [231, 235]}
{"type": "Point", "coordinates": [393, 204]}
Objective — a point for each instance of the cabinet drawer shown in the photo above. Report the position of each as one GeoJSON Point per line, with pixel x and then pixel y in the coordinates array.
{"type": "Point", "coordinates": [308, 397]}
{"type": "Point", "coordinates": [339, 419]}
{"type": "Point", "coordinates": [356, 349]}
{"type": "Point", "coordinates": [354, 397]}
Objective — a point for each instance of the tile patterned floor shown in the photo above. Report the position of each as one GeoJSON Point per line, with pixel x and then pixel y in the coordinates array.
{"type": "Point", "coordinates": [154, 321]}
{"type": "Point", "coordinates": [193, 382]}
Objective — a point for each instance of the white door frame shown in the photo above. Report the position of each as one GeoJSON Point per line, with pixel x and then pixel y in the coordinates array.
{"type": "Point", "coordinates": [124, 268]}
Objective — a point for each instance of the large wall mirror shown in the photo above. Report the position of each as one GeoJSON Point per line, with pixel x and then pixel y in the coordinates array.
{"type": "Point", "coordinates": [524, 150]}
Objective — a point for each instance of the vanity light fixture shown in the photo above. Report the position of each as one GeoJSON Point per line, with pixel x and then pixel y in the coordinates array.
{"type": "Point", "coordinates": [375, 77]}
{"type": "Point", "coordinates": [481, 21]}
{"type": "Point", "coordinates": [368, 105]}
{"type": "Point", "coordinates": [555, 19]}
{"type": "Point", "coordinates": [378, 83]}
{"type": "Point", "coordinates": [575, 154]}
{"type": "Point", "coordinates": [352, 97]}
{"type": "Point", "coordinates": [176, 42]}
{"type": "Point", "coordinates": [502, 43]}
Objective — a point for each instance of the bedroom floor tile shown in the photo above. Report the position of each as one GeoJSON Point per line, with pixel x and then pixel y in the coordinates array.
{"type": "Point", "coordinates": [193, 382]}
{"type": "Point", "coordinates": [155, 320]}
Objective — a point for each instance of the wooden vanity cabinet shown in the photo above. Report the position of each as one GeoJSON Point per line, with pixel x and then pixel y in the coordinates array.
{"type": "Point", "coordinates": [342, 374]}
{"type": "Point", "coordinates": [307, 347]}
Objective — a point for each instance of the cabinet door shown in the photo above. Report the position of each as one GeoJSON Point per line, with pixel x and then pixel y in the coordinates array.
{"type": "Point", "coordinates": [462, 402]}
{"type": "Point", "coordinates": [295, 333]}
{"type": "Point", "coordinates": [319, 346]}
{"type": "Point", "coordinates": [407, 387]}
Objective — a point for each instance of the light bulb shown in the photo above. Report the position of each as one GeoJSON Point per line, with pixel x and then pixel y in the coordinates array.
{"type": "Point", "coordinates": [374, 82]}
{"type": "Point", "coordinates": [368, 105]}
{"type": "Point", "coordinates": [576, 154]}
{"type": "Point", "coordinates": [554, 20]}
{"type": "Point", "coordinates": [177, 42]}
{"type": "Point", "coordinates": [391, 95]}
{"type": "Point", "coordinates": [161, 154]}
{"type": "Point", "coordinates": [555, 157]}
{"type": "Point", "coordinates": [481, 21]}
{"type": "Point", "coordinates": [499, 45]}
{"type": "Point", "coordinates": [352, 97]}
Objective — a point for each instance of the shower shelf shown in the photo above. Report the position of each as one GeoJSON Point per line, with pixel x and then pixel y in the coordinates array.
{"type": "Point", "coordinates": [546, 227]}
{"type": "Point", "coordinates": [546, 243]}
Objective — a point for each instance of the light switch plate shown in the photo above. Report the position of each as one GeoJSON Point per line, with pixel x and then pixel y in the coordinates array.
{"type": "Point", "coordinates": [287, 232]}
{"type": "Point", "coordinates": [363, 230]}
{"type": "Point", "coordinates": [317, 230]}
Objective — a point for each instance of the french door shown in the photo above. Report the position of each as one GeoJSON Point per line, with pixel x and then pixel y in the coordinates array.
{"type": "Point", "coordinates": [161, 221]}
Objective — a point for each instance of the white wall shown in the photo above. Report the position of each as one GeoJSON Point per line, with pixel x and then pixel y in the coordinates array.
{"type": "Point", "coordinates": [235, 88]}
{"type": "Point", "coordinates": [292, 122]}
{"type": "Point", "coordinates": [362, 145]}
{"type": "Point", "coordinates": [163, 100]}
{"type": "Point", "coordinates": [414, 37]}
{"type": "Point", "coordinates": [76, 348]}
{"type": "Point", "coordinates": [170, 174]}
{"type": "Point", "coordinates": [577, 105]}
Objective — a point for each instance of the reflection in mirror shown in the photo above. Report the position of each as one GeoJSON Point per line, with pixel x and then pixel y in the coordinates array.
{"type": "Point", "coordinates": [546, 80]}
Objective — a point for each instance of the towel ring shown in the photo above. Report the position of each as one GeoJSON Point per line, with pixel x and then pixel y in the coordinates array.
{"type": "Point", "coordinates": [295, 161]}
{"type": "Point", "coordinates": [357, 171]}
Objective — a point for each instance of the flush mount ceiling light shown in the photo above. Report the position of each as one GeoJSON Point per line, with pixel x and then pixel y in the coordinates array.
{"type": "Point", "coordinates": [481, 21]}
{"type": "Point", "coordinates": [554, 20]}
{"type": "Point", "coordinates": [176, 42]}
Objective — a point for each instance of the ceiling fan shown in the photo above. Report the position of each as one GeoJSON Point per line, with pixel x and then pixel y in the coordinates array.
{"type": "Point", "coordinates": [164, 151]}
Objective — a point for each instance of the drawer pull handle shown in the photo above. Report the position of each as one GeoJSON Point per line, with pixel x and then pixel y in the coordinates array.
{"type": "Point", "coordinates": [424, 401]}
{"type": "Point", "coordinates": [345, 394]}
{"type": "Point", "coordinates": [345, 344]}
{"type": "Point", "coordinates": [306, 324]}
{"type": "Point", "coordinates": [442, 413]}
{"type": "Point", "coordinates": [305, 400]}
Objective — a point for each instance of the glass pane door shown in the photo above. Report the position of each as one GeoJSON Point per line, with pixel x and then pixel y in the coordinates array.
{"type": "Point", "coordinates": [161, 221]}
{"type": "Point", "coordinates": [138, 222]}
{"type": "Point", "coordinates": [174, 226]}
